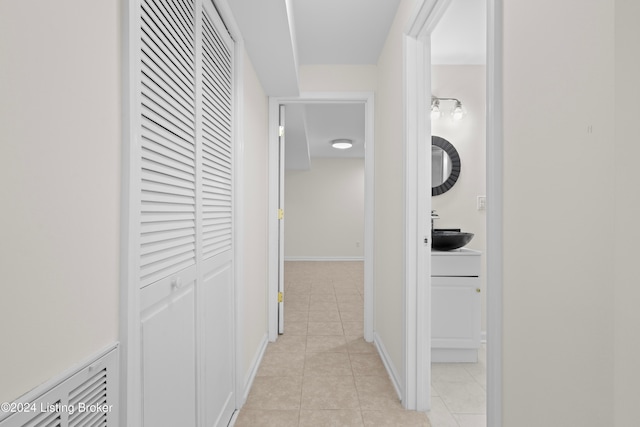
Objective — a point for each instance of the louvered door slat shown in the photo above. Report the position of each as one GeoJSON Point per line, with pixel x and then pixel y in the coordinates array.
{"type": "Point", "coordinates": [168, 138]}
{"type": "Point", "coordinates": [154, 99]}
{"type": "Point", "coordinates": [166, 45]}
{"type": "Point", "coordinates": [154, 76]}
{"type": "Point", "coordinates": [211, 78]}
{"type": "Point", "coordinates": [155, 152]}
{"type": "Point", "coordinates": [215, 46]}
{"type": "Point", "coordinates": [172, 18]}
{"type": "Point", "coordinates": [217, 182]}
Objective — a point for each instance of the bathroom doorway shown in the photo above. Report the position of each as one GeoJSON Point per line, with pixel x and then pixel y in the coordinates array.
{"type": "Point", "coordinates": [418, 64]}
{"type": "Point", "coordinates": [458, 89]}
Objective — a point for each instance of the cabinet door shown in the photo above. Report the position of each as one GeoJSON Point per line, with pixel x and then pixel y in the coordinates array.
{"type": "Point", "coordinates": [455, 312]}
{"type": "Point", "coordinates": [168, 335]}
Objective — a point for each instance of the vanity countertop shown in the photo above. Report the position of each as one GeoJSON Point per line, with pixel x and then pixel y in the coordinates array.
{"type": "Point", "coordinates": [456, 252]}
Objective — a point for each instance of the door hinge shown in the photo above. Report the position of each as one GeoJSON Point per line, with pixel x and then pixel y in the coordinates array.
{"type": "Point", "coordinates": [280, 213]}
{"type": "Point", "coordinates": [280, 298]}
{"type": "Point", "coordinates": [281, 131]}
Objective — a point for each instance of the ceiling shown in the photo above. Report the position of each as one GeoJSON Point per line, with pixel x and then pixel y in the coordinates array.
{"type": "Point", "coordinates": [281, 35]}
{"type": "Point", "coordinates": [460, 36]}
{"type": "Point", "coordinates": [310, 128]}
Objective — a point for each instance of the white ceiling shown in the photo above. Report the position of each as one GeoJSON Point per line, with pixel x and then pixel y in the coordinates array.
{"type": "Point", "coordinates": [281, 35]}
{"type": "Point", "coordinates": [460, 36]}
{"type": "Point", "coordinates": [310, 128]}
{"type": "Point", "coordinates": [342, 31]}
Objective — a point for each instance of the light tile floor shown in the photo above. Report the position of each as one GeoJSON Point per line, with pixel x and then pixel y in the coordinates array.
{"type": "Point", "coordinates": [458, 393]}
{"type": "Point", "coordinates": [321, 372]}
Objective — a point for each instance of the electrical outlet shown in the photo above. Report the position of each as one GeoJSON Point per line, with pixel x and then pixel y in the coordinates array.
{"type": "Point", "coordinates": [482, 203]}
{"type": "Point", "coordinates": [357, 244]}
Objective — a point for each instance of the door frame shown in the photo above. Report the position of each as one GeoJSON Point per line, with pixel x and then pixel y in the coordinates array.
{"type": "Point", "coordinates": [366, 98]}
{"type": "Point", "coordinates": [417, 62]}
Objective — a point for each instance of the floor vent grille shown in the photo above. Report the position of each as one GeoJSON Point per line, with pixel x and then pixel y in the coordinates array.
{"type": "Point", "coordinates": [87, 397]}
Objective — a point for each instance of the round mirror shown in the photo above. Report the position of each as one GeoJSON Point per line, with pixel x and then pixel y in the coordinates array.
{"type": "Point", "coordinates": [445, 165]}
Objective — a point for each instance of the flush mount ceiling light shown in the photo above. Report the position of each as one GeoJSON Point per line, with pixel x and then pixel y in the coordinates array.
{"type": "Point", "coordinates": [457, 113]}
{"type": "Point", "coordinates": [342, 144]}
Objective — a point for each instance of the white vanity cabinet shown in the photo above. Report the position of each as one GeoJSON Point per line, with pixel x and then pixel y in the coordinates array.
{"type": "Point", "coordinates": [455, 305]}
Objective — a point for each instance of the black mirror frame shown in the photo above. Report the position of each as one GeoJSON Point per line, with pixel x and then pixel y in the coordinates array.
{"type": "Point", "coordinates": [455, 165]}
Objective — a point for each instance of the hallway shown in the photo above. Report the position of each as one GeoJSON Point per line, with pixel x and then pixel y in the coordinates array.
{"type": "Point", "coordinates": [321, 372]}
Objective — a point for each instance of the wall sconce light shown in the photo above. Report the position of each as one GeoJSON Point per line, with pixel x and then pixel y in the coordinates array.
{"type": "Point", "coordinates": [342, 144]}
{"type": "Point", "coordinates": [457, 113]}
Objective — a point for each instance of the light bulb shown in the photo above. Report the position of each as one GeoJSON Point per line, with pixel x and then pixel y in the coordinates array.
{"type": "Point", "coordinates": [458, 112]}
{"type": "Point", "coordinates": [435, 110]}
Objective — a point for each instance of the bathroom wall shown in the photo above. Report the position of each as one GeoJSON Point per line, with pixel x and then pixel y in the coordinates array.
{"type": "Point", "coordinates": [559, 169]}
{"type": "Point", "coordinates": [324, 209]}
{"type": "Point", "coordinates": [256, 193]}
{"type": "Point", "coordinates": [457, 207]}
{"type": "Point", "coordinates": [627, 212]}
{"type": "Point", "coordinates": [60, 171]}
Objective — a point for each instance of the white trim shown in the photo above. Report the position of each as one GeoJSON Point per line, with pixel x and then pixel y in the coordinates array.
{"type": "Point", "coordinates": [253, 369]}
{"type": "Point", "coordinates": [272, 223]}
{"type": "Point", "coordinates": [366, 98]}
{"type": "Point", "coordinates": [323, 258]}
{"type": "Point", "coordinates": [129, 330]}
{"type": "Point", "coordinates": [495, 179]}
{"type": "Point", "coordinates": [422, 23]}
{"type": "Point", "coordinates": [388, 364]}
{"type": "Point", "coordinates": [417, 90]}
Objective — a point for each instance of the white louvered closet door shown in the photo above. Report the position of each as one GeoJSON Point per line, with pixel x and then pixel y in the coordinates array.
{"type": "Point", "coordinates": [215, 136]}
{"type": "Point", "coordinates": [186, 228]}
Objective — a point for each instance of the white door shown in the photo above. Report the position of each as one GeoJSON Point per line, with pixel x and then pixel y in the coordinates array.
{"type": "Point", "coordinates": [216, 272]}
{"type": "Point", "coordinates": [281, 140]}
{"type": "Point", "coordinates": [185, 211]}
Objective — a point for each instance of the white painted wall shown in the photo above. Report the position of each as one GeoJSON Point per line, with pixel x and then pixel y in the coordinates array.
{"type": "Point", "coordinates": [254, 258]}
{"type": "Point", "coordinates": [389, 194]}
{"type": "Point", "coordinates": [558, 346]}
{"type": "Point", "coordinates": [627, 212]}
{"type": "Point", "coordinates": [337, 78]}
{"type": "Point", "coordinates": [457, 207]}
{"type": "Point", "coordinates": [59, 185]}
{"type": "Point", "coordinates": [324, 210]}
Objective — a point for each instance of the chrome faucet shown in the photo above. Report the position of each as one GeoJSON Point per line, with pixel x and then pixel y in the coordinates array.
{"type": "Point", "coordinates": [434, 216]}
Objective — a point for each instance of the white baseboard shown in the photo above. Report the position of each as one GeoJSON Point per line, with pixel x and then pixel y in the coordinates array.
{"type": "Point", "coordinates": [255, 364]}
{"type": "Point", "coordinates": [388, 364]}
{"type": "Point", "coordinates": [323, 258]}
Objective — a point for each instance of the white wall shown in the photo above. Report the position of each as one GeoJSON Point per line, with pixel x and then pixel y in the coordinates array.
{"type": "Point", "coordinates": [256, 201]}
{"type": "Point", "coordinates": [627, 212]}
{"type": "Point", "coordinates": [324, 209]}
{"type": "Point", "coordinates": [389, 193]}
{"type": "Point", "coordinates": [558, 315]}
{"type": "Point", "coordinates": [59, 186]}
{"type": "Point", "coordinates": [457, 207]}
{"type": "Point", "coordinates": [337, 78]}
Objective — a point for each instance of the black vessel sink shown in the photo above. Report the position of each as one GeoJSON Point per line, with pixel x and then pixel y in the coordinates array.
{"type": "Point", "coordinates": [450, 239]}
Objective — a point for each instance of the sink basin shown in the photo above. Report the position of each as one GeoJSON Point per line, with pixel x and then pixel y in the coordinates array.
{"type": "Point", "coordinates": [448, 240]}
